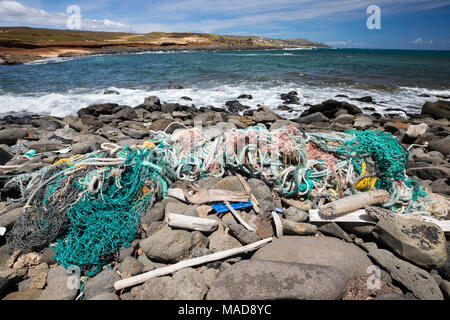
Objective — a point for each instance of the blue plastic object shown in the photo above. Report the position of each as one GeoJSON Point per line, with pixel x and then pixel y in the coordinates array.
{"type": "Point", "coordinates": [30, 153]}
{"type": "Point", "coordinates": [278, 210]}
{"type": "Point", "coordinates": [220, 207]}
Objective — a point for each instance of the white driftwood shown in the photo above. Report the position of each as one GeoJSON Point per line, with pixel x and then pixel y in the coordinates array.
{"type": "Point", "coordinates": [199, 195]}
{"type": "Point", "coordinates": [11, 167]}
{"type": "Point", "coordinates": [248, 189]}
{"type": "Point", "coordinates": [278, 224]}
{"type": "Point", "coordinates": [203, 195]}
{"type": "Point", "coordinates": [238, 217]}
{"type": "Point", "coordinates": [354, 202]}
{"type": "Point", "coordinates": [176, 193]}
{"type": "Point", "coordinates": [118, 285]}
{"type": "Point", "coordinates": [191, 223]}
{"type": "Point", "coordinates": [362, 216]}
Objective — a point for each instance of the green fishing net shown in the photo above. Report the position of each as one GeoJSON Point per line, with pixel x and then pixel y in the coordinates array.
{"type": "Point", "coordinates": [108, 220]}
{"type": "Point", "coordinates": [389, 156]}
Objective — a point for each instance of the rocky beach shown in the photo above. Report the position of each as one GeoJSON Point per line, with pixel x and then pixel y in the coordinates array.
{"type": "Point", "coordinates": [306, 258]}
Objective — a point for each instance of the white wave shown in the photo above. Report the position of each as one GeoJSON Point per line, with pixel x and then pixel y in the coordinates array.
{"type": "Point", "coordinates": [51, 60]}
{"type": "Point", "coordinates": [431, 92]}
{"type": "Point", "coordinates": [65, 59]}
{"type": "Point", "coordinates": [150, 52]}
{"type": "Point", "coordinates": [295, 49]}
{"type": "Point", "coordinates": [62, 104]}
{"type": "Point", "coordinates": [254, 54]}
{"type": "Point", "coordinates": [62, 59]}
{"type": "Point", "coordinates": [163, 52]}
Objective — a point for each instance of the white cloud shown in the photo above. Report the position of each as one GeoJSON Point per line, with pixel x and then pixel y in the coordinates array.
{"type": "Point", "coordinates": [215, 16]}
{"type": "Point", "coordinates": [192, 15]}
{"type": "Point", "coordinates": [13, 12]}
{"type": "Point", "coordinates": [283, 9]}
{"type": "Point", "coordinates": [421, 41]}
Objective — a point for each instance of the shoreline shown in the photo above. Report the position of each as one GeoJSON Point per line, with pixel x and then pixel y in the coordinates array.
{"type": "Point", "coordinates": [24, 56]}
{"type": "Point", "coordinates": [22, 44]}
{"type": "Point", "coordinates": [175, 93]}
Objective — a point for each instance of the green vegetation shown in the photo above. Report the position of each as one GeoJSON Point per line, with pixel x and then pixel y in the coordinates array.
{"type": "Point", "coordinates": [53, 35]}
{"type": "Point", "coordinates": [147, 37]}
{"type": "Point", "coordinates": [40, 34]}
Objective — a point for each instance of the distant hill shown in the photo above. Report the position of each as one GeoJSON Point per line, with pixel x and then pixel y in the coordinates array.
{"type": "Point", "coordinates": [41, 34]}
{"type": "Point", "coordinates": [303, 42]}
{"type": "Point", "coordinates": [24, 43]}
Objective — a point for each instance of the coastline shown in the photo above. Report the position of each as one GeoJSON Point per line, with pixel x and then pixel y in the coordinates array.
{"type": "Point", "coordinates": [17, 46]}
{"type": "Point", "coordinates": [24, 56]}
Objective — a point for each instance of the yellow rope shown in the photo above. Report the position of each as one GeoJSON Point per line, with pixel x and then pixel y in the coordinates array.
{"type": "Point", "coordinates": [147, 144]}
{"type": "Point", "coordinates": [66, 160]}
{"type": "Point", "coordinates": [366, 182]}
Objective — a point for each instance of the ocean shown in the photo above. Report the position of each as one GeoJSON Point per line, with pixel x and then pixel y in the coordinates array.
{"type": "Point", "coordinates": [399, 81]}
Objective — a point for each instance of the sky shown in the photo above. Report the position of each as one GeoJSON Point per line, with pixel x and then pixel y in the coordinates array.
{"type": "Point", "coordinates": [404, 24]}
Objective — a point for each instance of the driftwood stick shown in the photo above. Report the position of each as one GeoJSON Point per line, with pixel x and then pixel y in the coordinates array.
{"type": "Point", "coordinates": [200, 195]}
{"type": "Point", "coordinates": [248, 189]}
{"type": "Point", "coordinates": [118, 285]}
{"type": "Point", "coordinates": [362, 216]}
{"type": "Point", "coordinates": [11, 167]}
{"type": "Point", "coordinates": [354, 202]}
{"type": "Point", "coordinates": [191, 223]}
{"type": "Point", "coordinates": [278, 224]}
{"type": "Point", "coordinates": [355, 216]}
{"type": "Point", "coordinates": [238, 217]}
{"type": "Point", "coordinates": [215, 195]}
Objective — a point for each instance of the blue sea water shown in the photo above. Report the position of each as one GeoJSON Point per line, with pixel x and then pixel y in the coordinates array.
{"type": "Point", "coordinates": [395, 79]}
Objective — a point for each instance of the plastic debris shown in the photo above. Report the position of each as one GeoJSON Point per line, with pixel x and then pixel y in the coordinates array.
{"type": "Point", "coordinates": [65, 150]}
{"type": "Point", "coordinates": [30, 154]}
{"type": "Point", "coordinates": [91, 204]}
{"type": "Point", "coordinates": [221, 208]}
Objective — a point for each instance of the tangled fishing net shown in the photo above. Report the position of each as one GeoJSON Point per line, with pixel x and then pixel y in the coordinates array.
{"type": "Point", "coordinates": [299, 164]}
{"type": "Point", "coordinates": [96, 201]}
{"type": "Point", "coordinates": [90, 206]}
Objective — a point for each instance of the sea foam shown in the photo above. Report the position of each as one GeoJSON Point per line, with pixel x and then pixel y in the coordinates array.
{"type": "Point", "coordinates": [62, 104]}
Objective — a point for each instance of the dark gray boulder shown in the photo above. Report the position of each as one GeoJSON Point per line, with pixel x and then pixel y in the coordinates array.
{"type": "Point", "coordinates": [417, 280]}
{"type": "Point", "coordinates": [236, 106]}
{"type": "Point", "coordinates": [10, 136]}
{"type": "Point", "coordinates": [330, 107]}
{"type": "Point", "coordinates": [326, 251]}
{"type": "Point", "coordinates": [151, 103]}
{"type": "Point", "coordinates": [313, 117]}
{"type": "Point", "coordinates": [423, 243]}
{"type": "Point", "coordinates": [167, 245]}
{"type": "Point", "coordinates": [101, 283]}
{"type": "Point", "coordinates": [439, 109]}
{"type": "Point", "coordinates": [271, 280]}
